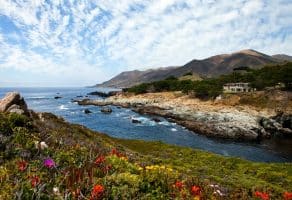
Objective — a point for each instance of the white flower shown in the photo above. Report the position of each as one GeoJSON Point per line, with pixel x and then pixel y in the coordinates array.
{"type": "Point", "coordinates": [36, 144]}
{"type": "Point", "coordinates": [56, 190]}
{"type": "Point", "coordinates": [43, 145]}
{"type": "Point", "coordinates": [219, 193]}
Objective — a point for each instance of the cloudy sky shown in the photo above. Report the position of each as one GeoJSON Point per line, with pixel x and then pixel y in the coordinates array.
{"type": "Point", "coordinates": [78, 43]}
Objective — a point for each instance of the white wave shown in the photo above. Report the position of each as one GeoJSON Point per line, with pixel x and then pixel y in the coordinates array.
{"type": "Point", "coordinates": [173, 129]}
{"type": "Point", "coordinates": [144, 121]}
{"type": "Point", "coordinates": [165, 123]}
{"type": "Point", "coordinates": [63, 107]}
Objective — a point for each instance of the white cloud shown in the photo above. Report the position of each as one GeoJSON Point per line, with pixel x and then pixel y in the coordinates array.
{"type": "Point", "coordinates": [82, 39]}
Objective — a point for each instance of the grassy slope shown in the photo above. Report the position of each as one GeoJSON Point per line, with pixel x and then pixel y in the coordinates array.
{"type": "Point", "coordinates": [74, 147]}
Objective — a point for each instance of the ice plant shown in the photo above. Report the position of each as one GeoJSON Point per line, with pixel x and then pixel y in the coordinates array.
{"type": "Point", "coordinates": [22, 165]}
{"type": "Point", "coordinates": [287, 195]}
{"type": "Point", "coordinates": [262, 195]}
{"type": "Point", "coordinates": [179, 185]}
{"type": "Point", "coordinates": [196, 190]}
{"type": "Point", "coordinates": [97, 192]}
{"type": "Point", "coordinates": [35, 180]}
{"type": "Point", "coordinates": [99, 160]}
{"type": "Point", "coordinates": [49, 163]}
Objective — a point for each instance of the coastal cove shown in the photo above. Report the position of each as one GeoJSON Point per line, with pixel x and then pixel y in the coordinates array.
{"type": "Point", "coordinates": [119, 124]}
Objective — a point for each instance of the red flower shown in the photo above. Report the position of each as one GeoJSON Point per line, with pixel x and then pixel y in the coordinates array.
{"type": "Point", "coordinates": [35, 180]}
{"type": "Point", "coordinates": [97, 192]}
{"type": "Point", "coordinates": [288, 195]}
{"type": "Point", "coordinates": [196, 190]}
{"type": "Point", "coordinates": [22, 165]}
{"type": "Point", "coordinates": [262, 195]}
{"type": "Point", "coordinates": [99, 160]}
{"type": "Point", "coordinates": [114, 151]}
{"type": "Point", "coordinates": [179, 185]}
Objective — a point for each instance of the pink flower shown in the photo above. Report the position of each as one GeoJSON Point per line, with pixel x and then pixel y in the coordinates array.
{"type": "Point", "coordinates": [49, 163]}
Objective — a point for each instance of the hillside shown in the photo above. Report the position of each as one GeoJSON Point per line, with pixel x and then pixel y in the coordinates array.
{"type": "Point", "coordinates": [129, 78]}
{"type": "Point", "coordinates": [283, 57]}
{"type": "Point", "coordinates": [212, 66]}
{"type": "Point", "coordinates": [44, 157]}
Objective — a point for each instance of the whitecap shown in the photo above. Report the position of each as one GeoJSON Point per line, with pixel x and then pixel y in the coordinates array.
{"type": "Point", "coordinates": [165, 123]}
{"type": "Point", "coordinates": [144, 121]}
{"type": "Point", "coordinates": [62, 107]}
{"type": "Point", "coordinates": [173, 129]}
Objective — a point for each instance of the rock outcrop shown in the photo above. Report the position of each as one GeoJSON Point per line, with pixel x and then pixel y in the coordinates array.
{"type": "Point", "coordinates": [106, 110]}
{"type": "Point", "coordinates": [205, 117]}
{"type": "Point", "coordinates": [278, 125]}
{"type": "Point", "coordinates": [13, 103]}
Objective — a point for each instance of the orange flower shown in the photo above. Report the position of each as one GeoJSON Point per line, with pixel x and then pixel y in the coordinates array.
{"type": "Point", "coordinates": [288, 195]}
{"type": "Point", "coordinates": [99, 160]}
{"type": "Point", "coordinates": [262, 195]}
{"type": "Point", "coordinates": [22, 165]}
{"type": "Point", "coordinates": [35, 180]}
{"type": "Point", "coordinates": [97, 192]}
{"type": "Point", "coordinates": [179, 185]}
{"type": "Point", "coordinates": [196, 190]}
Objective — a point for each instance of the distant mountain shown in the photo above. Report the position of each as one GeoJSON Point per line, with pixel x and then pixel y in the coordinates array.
{"type": "Point", "coordinates": [283, 57]}
{"type": "Point", "coordinates": [212, 66]}
{"type": "Point", "coordinates": [130, 78]}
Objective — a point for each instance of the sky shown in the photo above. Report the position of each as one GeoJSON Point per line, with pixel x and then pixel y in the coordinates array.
{"type": "Point", "coordinates": [81, 43]}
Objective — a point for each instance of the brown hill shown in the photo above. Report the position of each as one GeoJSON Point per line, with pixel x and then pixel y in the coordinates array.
{"type": "Point", "coordinates": [212, 66]}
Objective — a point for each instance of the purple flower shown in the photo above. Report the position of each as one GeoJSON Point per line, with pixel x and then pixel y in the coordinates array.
{"type": "Point", "coordinates": [49, 163]}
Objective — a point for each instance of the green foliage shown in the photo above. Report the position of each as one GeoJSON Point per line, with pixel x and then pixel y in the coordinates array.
{"type": "Point", "coordinates": [210, 88]}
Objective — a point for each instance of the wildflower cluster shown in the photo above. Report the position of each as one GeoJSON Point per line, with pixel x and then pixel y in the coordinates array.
{"type": "Point", "coordinates": [47, 166]}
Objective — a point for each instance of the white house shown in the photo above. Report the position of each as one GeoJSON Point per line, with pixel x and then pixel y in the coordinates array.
{"type": "Point", "coordinates": [236, 87]}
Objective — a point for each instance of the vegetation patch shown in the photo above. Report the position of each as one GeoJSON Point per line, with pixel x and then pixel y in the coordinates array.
{"type": "Point", "coordinates": [47, 158]}
{"type": "Point", "coordinates": [268, 76]}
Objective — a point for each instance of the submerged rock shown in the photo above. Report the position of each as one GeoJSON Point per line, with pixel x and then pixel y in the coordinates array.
{"type": "Point", "coordinates": [106, 110]}
{"type": "Point", "coordinates": [156, 119]}
{"type": "Point", "coordinates": [58, 97]}
{"type": "Point", "coordinates": [136, 121]}
{"type": "Point", "coordinates": [87, 111]}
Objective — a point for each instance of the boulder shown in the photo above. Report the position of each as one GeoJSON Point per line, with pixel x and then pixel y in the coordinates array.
{"type": "Point", "coordinates": [156, 119]}
{"type": "Point", "coordinates": [136, 121]}
{"type": "Point", "coordinates": [279, 125]}
{"type": "Point", "coordinates": [87, 111]}
{"type": "Point", "coordinates": [106, 110]}
{"type": "Point", "coordinates": [13, 102]}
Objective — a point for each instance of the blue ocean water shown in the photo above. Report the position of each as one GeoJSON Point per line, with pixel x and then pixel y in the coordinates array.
{"type": "Point", "coordinates": [119, 124]}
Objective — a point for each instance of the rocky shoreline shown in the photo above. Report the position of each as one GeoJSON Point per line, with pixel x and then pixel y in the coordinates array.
{"type": "Point", "coordinates": [205, 117]}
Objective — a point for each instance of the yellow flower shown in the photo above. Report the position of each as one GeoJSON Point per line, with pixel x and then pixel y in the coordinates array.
{"type": "Point", "coordinates": [140, 168]}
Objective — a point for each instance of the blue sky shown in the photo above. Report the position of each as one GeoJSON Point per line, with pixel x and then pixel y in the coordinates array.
{"type": "Point", "coordinates": [79, 43]}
